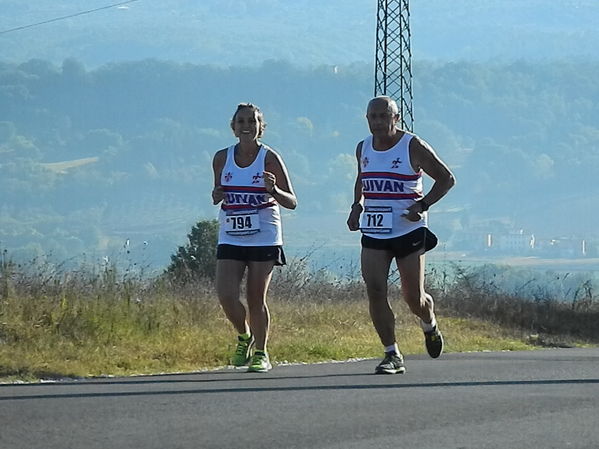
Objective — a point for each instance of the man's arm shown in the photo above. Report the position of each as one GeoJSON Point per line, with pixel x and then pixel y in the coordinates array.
{"type": "Point", "coordinates": [353, 222]}
{"type": "Point", "coordinates": [423, 157]}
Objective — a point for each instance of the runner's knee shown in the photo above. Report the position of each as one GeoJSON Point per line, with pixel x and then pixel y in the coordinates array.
{"type": "Point", "coordinates": [376, 291]}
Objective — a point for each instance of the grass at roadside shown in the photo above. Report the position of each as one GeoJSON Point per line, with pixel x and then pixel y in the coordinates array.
{"type": "Point", "coordinates": [79, 325]}
{"type": "Point", "coordinates": [87, 337]}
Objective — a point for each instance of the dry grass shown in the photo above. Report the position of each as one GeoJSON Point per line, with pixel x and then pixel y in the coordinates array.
{"type": "Point", "coordinates": [94, 322]}
{"type": "Point", "coordinates": [548, 319]}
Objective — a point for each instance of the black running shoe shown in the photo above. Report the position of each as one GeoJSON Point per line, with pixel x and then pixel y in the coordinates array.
{"type": "Point", "coordinates": [434, 342]}
{"type": "Point", "coordinates": [391, 364]}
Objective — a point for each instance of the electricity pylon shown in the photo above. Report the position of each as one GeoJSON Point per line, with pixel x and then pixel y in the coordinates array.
{"type": "Point", "coordinates": [393, 66]}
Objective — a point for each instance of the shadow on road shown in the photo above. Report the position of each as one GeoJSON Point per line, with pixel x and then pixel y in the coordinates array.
{"type": "Point", "coordinates": [256, 389]}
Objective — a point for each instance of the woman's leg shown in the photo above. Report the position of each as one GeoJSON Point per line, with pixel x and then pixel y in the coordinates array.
{"type": "Point", "coordinates": [258, 280]}
{"type": "Point", "coordinates": [229, 274]}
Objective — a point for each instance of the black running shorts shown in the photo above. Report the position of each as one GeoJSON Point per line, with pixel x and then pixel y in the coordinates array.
{"type": "Point", "coordinates": [251, 253]}
{"type": "Point", "coordinates": [421, 238]}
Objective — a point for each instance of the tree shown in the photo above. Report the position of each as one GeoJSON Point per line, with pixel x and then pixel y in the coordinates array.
{"type": "Point", "coordinates": [197, 259]}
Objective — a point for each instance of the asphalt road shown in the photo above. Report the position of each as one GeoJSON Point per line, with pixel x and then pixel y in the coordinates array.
{"type": "Point", "coordinates": [509, 400]}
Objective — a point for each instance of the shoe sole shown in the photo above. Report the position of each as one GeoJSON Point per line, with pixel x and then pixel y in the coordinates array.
{"type": "Point", "coordinates": [436, 355]}
{"type": "Point", "coordinates": [261, 370]}
{"type": "Point", "coordinates": [243, 364]}
{"type": "Point", "coordinates": [391, 371]}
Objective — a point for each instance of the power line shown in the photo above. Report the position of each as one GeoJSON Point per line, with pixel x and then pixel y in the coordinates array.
{"type": "Point", "coordinates": [66, 17]}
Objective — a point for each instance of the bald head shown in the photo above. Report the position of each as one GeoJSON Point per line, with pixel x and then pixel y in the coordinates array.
{"type": "Point", "coordinates": [384, 101]}
{"type": "Point", "coordinates": [382, 115]}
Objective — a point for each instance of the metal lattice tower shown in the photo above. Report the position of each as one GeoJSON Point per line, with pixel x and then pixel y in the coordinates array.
{"type": "Point", "coordinates": [393, 66]}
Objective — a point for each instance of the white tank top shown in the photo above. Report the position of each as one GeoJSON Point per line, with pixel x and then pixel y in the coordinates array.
{"type": "Point", "coordinates": [389, 185]}
{"type": "Point", "coordinates": [249, 216]}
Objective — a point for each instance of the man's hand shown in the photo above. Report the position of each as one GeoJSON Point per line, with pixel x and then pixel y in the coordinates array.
{"type": "Point", "coordinates": [413, 213]}
{"type": "Point", "coordinates": [353, 222]}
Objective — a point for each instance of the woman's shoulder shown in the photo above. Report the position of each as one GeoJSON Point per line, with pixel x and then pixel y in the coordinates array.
{"type": "Point", "coordinates": [220, 156]}
{"type": "Point", "coordinates": [222, 153]}
{"type": "Point", "coordinates": [271, 154]}
{"type": "Point", "coordinates": [272, 159]}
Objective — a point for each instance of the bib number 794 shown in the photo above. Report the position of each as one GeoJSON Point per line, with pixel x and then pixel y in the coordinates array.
{"type": "Point", "coordinates": [242, 222]}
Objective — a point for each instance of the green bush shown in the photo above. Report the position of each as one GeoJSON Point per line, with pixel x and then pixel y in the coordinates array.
{"type": "Point", "coordinates": [197, 259]}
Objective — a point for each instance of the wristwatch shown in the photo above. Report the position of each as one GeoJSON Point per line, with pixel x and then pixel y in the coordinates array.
{"type": "Point", "coordinates": [423, 205]}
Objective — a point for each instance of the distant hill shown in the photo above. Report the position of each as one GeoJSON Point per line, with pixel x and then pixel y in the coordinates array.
{"type": "Point", "coordinates": [93, 158]}
{"type": "Point", "coordinates": [303, 32]}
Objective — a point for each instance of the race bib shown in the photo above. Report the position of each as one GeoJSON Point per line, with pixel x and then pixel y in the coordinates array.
{"type": "Point", "coordinates": [242, 222]}
{"type": "Point", "coordinates": [377, 220]}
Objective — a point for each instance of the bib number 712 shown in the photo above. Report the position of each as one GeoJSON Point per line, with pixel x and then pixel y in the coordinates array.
{"type": "Point", "coordinates": [377, 220]}
{"type": "Point", "coordinates": [374, 220]}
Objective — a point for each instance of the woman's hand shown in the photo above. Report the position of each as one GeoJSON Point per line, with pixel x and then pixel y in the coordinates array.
{"type": "Point", "coordinates": [218, 194]}
{"type": "Point", "coordinates": [270, 181]}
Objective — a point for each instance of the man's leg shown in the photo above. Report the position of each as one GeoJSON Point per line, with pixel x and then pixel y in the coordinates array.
{"type": "Point", "coordinates": [411, 270]}
{"type": "Point", "coordinates": [375, 271]}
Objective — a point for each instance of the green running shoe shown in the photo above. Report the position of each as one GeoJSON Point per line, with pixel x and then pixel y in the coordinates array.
{"type": "Point", "coordinates": [391, 364]}
{"type": "Point", "coordinates": [259, 363]}
{"type": "Point", "coordinates": [434, 342]}
{"type": "Point", "coordinates": [243, 351]}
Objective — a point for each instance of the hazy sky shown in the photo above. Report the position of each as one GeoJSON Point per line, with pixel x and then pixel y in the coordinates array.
{"type": "Point", "coordinates": [330, 32]}
{"type": "Point", "coordinates": [245, 32]}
